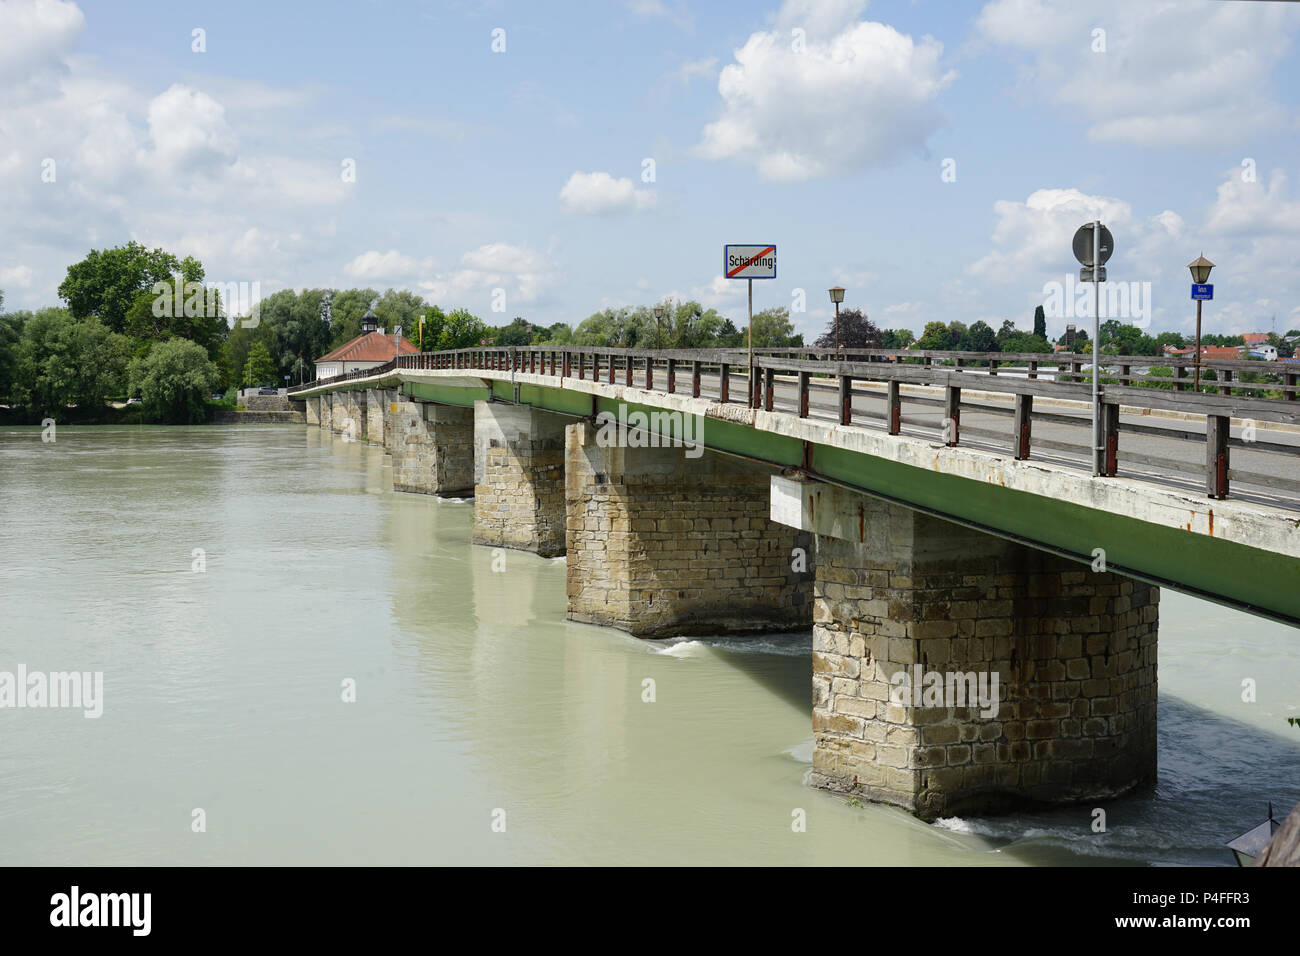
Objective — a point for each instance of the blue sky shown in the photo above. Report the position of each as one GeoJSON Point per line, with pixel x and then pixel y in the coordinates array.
{"type": "Point", "coordinates": [823, 127]}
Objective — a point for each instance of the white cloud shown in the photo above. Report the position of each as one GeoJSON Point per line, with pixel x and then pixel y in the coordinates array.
{"type": "Point", "coordinates": [375, 266]}
{"type": "Point", "coordinates": [600, 194]}
{"type": "Point", "coordinates": [692, 69]}
{"type": "Point", "coordinates": [858, 94]}
{"type": "Point", "coordinates": [1243, 208]}
{"type": "Point", "coordinates": [15, 275]}
{"type": "Point", "coordinates": [523, 273]}
{"type": "Point", "coordinates": [1033, 236]}
{"type": "Point", "coordinates": [1194, 73]}
{"type": "Point", "coordinates": [35, 36]}
{"type": "Point", "coordinates": [189, 130]}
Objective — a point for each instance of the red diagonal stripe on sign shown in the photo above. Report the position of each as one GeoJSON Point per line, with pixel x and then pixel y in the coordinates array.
{"type": "Point", "coordinates": [749, 262]}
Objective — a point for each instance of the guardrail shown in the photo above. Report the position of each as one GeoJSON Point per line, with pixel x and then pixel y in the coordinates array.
{"type": "Point", "coordinates": [1066, 376]}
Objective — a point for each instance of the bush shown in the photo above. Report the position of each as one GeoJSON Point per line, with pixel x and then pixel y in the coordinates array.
{"type": "Point", "coordinates": [175, 379]}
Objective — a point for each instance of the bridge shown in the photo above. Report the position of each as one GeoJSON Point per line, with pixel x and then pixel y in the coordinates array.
{"type": "Point", "coordinates": [928, 513]}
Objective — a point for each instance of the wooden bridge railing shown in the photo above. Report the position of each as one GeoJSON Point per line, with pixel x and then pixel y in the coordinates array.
{"type": "Point", "coordinates": [857, 373]}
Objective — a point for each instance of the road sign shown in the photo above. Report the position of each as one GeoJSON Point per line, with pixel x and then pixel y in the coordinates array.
{"type": "Point", "coordinates": [749, 261]}
{"type": "Point", "coordinates": [1083, 244]}
{"type": "Point", "coordinates": [1202, 291]}
{"type": "Point", "coordinates": [1085, 274]}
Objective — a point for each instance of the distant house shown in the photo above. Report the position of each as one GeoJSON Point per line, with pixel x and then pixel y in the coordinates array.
{"type": "Point", "coordinates": [1254, 338]}
{"type": "Point", "coordinates": [369, 349]}
{"type": "Point", "coordinates": [1267, 352]}
{"type": "Point", "coordinates": [1220, 352]}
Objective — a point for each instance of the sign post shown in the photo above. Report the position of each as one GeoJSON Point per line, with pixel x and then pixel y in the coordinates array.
{"type": "Point", "coordinates": [749, 262]}
{"type": "Point", "coordinates": [1093, 245]}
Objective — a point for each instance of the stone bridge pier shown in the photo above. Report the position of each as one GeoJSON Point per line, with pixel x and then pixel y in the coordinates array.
{"type": "Point", "coordinates": [326, 411]}
{"type": "Point", "coordinates": [676, 540]}
{"type": "Point", "coordinates": [519, 478]}
{"type": "Point", "coordinates": [913, 618]}
{"type": "Point", "coordinates": [432, 446]}
{"type": "Point", "coordinates": [311, 410]}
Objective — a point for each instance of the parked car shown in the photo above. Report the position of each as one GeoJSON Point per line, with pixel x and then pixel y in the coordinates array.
{"type": "Point", "coordinates": [133, 401]}
{"type": "Point", "coordinates": [268, 391]}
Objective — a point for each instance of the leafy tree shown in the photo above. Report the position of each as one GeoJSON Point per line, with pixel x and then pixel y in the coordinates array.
{"type": "Point", "coordinates": [896, 338]}
{"type": "Point", "coordinates": [1007, 330]}
{"type": "Point", "coordinates": [177, 308]}
{"type": "Point", "coordinates": [260, 369]}
{"type": "Point", "coordinates": [519, 332]}
{"type": "Point", "coordinates": [1024, 342]}
{"type": "Point", "coordinates": [11, 334]}
{"type": "Point", "coordinates": [347, 307]}
{"type": "Point", "coordinates": [462, 330]}
{"type": "Point", "coordinates": [105, 284]}
{"type": "Point", "coordinates": [558, 334]}
{"type": "Point", "coordinates": [174, 380]}
{"type": "Point", "coordinates": [730, 337]}
{"type": "Point", "coordinates": [689, 325]}
{"type": "Point", "coordinates": [980, 337]}
{"type": "Point", "coordinates": [1040, 323]}
{"type": "Point", "coordinates": [399, 307]}
{"type": "Point", "coordinates": [292, 326]}
{"type": "Point", "coordinates": [856, 331]}
{"type": "Point", "coordinates": [935, 337]}
{"type": "Point", "coordinates": [61, 361]}
{"type": "Point", "coordinates": [616, 328]}
{"type": "Point", "coordinates": [774, 330]}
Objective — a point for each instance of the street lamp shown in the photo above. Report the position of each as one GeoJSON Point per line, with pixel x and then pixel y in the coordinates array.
{"type": "Point", "coordinates": [1200, 269]}
{"type": "Point", "coordinates": [660, 312]}
{"type": "Point", "coordinates": [837, 296]}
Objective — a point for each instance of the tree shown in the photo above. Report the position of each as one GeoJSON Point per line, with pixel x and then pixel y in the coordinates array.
{"type": "Point", "coordinates": [519, 332]}
{"type": "Point", "coordinates": [774, 330]}
{"type": "Point", "coordinates": [856, 331]}
{"type": "Point", "coordinates": [462, 330]}
{"type": "Point", "coordinates": [400, 307]}
{"type": "Point", "coordinates": [1007, 331]}
{"type": "Point", "coordinates": [346, 309]}
{"type": "Point", "coordinates": [174, 380]}
{"type": "Point", "coordinates": [104, 285]}
{"type": "Point", "coordinates": [293, 328]}
{"type": "Point", "coordinates": [1040, 323]}
{"type": "Point", "coordinates": [934, 337]}
{"type": "Point", "coordinates": [260, 369]}
{"type": "Point", "coordinates": [61, 361]}
{"type": "Point", "coordinates": [896, 338]}
{"type": "Point", "coordinates": [177, 308]}
{"type": "Point", "coordinates": [980, 337]}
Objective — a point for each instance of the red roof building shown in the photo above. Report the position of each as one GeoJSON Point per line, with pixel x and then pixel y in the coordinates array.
{"type": "Point", "coordinates": [369, 349]}
{"type": "Point", "coordinates": [1255, 338]}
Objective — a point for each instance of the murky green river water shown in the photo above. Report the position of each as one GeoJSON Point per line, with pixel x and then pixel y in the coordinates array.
{"type": "Point", "coordinates": [223, 690]}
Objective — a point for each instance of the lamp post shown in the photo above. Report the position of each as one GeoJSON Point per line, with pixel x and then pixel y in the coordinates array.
{"type": "Point", "coordinates": [837, 296]}
{"type": "Point", "coordinates": [660, 311]}
{"type": "Point", "coordinates": [1200, 269]}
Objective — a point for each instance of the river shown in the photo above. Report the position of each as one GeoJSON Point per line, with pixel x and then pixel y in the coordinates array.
{"type": "Point", "coordinates": [485, 727]}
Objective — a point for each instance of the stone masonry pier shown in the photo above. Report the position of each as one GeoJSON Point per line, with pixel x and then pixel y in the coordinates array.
{"type": "Point", "coordinates": [899, 592]}
{"type": "Point", "coordinates": [670, 540]}
{"type": "Point", "coordinates": [519, 478]}
{"type": "Point", "coordinates": [432, 448]}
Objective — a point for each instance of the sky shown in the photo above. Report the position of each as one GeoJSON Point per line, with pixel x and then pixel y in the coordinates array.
{"type": "Point", "coordinates": [548, 160]}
